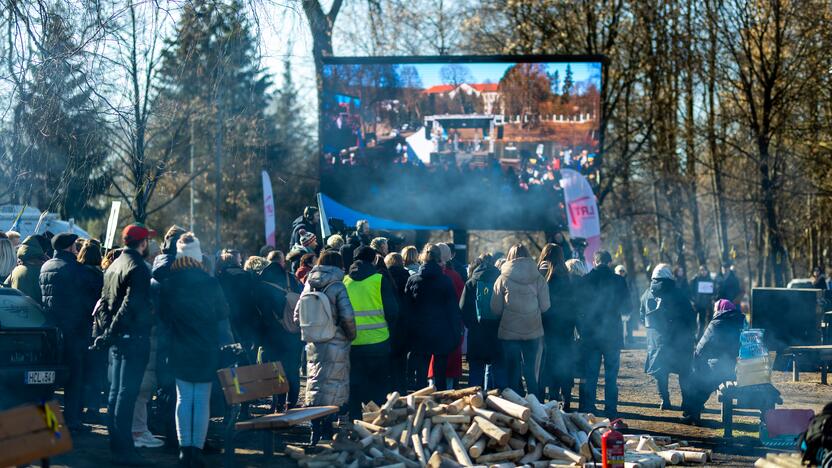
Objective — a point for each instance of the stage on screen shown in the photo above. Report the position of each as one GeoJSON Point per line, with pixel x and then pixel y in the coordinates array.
{"type": "Point", "coordinates": [469, 142]}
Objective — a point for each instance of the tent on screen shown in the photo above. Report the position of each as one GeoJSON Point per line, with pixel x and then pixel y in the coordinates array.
{"type": "Point", "coordinates": [330, 208]}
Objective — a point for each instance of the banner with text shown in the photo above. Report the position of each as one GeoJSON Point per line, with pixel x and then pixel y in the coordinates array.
{"type": "Point", "coordinates": [581, 211]}
{"type": "Point", "coordinates": [268, 209]}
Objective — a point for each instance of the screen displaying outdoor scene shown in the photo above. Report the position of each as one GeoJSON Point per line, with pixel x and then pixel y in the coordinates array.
{"type": "Point", "coordinates": [471, 144]}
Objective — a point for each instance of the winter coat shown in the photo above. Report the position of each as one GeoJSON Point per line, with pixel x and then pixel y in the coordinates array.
{"type": "Point", "coordinates": [453, 370]}
{"type": "Point", "coordinates": [328, 363]}
{"type": "Point", "coordinates": [301, 273]}
{"type": "Point", "coordinates": [607, 300]}
{"type": "Point", "coordinates": [560, 321]}
{"type": "Point", "coordinates": [126, 292]}
{"type": "Point", "coordinates": [720, 344]}
{"type": "Point", "coordinates": [482, 333]}
{"type": "Point", "coordinates": [26, 275]}
{"type": "Point", "coordinates": [431, 312]}
{"type": "Point", "coordinates": [460, 269]}
{"type": "Point", "coordinates": [239, 286]}
{"type": "Point", "coordinates": [671, 327]}
{"type": "Point", "coordinates": [399, 275]}
{"type": "Point", "coordinates": [270, 299]}
{"type": "Point", "coordinates": [729, 287]}
{"type": "Point", "coordinates": [92, 284]}
{"type": "Point", "coordinates": [520, 298]}
{"type": "Point", "coordinates": [61, 278]}
{"type": "Point", "coordinates": [192, 305]}
{"type": "Point", "coordinates": [359, 271]}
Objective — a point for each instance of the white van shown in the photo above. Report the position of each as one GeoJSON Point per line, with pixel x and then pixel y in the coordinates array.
{"type": "Point", "coordinates": [29, 221]}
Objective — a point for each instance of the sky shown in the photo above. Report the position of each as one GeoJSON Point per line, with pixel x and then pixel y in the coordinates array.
{"type": "Point", "coordinates": [492, 72]}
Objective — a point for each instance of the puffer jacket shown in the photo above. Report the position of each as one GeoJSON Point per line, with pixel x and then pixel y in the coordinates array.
{"type": "Point", "coordinates": [26, 275]}
{"type": "Point", "coordinates": [61, 279]}
{"type": "Point", "coordinates": [520, 298]}
{"type": "Point", "coordinates": [328, 363]}
{"type": "Point", "coordinates": [127, 293]}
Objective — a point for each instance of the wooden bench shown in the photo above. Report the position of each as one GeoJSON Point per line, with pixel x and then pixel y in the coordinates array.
{"type": "Point", "coordinates": [250, 383]}
{"type": "Point", "coordinates": [821, 354]}
{"type": "Point", "coordinates": [33, 432]}
{"type": "Point", "coordinates": [761, 397]}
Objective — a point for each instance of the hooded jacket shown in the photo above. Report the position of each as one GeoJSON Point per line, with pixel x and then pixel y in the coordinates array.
{"type": "Point", "coordinates": [192, 305]}
{"type": "Point", "coordinates": [239, 287]}
{"type": "Point", "coordinates": [482, 334]}
{"type": "Point", "coordinates": [328, 363]}
{"type": "Point", "coordinates": [671, 324]}
{"type": "Point", "coordinates": [720, 343]}
{"type": "Point", "coordinates": [431, 312]}
{"type": "Point", "coordinates": [25, 276]}
{"type": "Point", "coordinates": [520, 298]}
{"type": "Point", "coordinates": [61, 279]}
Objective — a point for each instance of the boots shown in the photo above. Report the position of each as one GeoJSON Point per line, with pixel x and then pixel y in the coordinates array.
{"type": "Point", "coordinates": [185, 457]}
{"type": "Point", "coordinates": [317, 429]}
{"type": "Point", "coordinates": [197, 460]}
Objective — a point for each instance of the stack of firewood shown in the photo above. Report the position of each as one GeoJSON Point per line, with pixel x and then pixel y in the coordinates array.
{"type": "Point", "coordinates": [468, 428]}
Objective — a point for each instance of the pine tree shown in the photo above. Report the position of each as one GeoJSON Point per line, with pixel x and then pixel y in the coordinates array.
{"type": "Point", "coordinates": [568, 83]}
{"type": "Point", "coordinates": [212, 80]}
{"type": "Point", "coordinates": [60, 151]}
{"type": "Point", "coordinates": [554, 77]}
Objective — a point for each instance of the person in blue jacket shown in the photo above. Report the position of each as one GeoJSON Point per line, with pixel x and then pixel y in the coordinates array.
{"type": "Point", "coordinates": [714, 360]}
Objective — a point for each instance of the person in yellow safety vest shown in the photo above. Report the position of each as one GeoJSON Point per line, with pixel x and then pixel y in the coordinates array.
{"type": "Point", "coordinates": [373, 300]}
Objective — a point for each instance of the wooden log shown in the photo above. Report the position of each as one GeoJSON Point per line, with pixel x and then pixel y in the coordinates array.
{"type": "Point", "coordinates": [509, 455]}
{"type": "Point", "coordinates": [416, 440]}
{"type": "Point", "coordinates": [429, 390]}
{"type": "Point", "coordinates": [395, 465]}
{"type": "Point", "coordinates": [493, 416]}
{"type": "Point", "coordinates": [564, 437]}
{"type": "Point", "coordinates": [452, 419]}
{"type": "Point", "coordinates": [437, 410]}
{"type": "Point", "coordinates": [514, 397]}
{"type": "Point", "coordinates": [556, 416]}
{"type": "Point", "coordinates": [479, 447]}
{"type": "Point", "coordinates": [370, 407]}
{"type": "Point", "coordinates": [473, 434]}
{"type": "Point", "coordinates": [394, 432]}
{"type": "Point", "coordinates": [368, 426]}
{"type": "Point", "coordinates": [492, 430]}
{"type": "Point", "coordinates": [538, 411]}
{"type": "Point", "coordinates": [405, 437]}
{"type": "Point", "coordinates": [368, 441]}
{"type": "Point", "coordinates": [457, 405]}
{"type": "Point", "coordinates": [375, 453]}
{"type": "Point", "coordinates": [554, 451]}
{"type": "Point", "coordinates": [509, 408]}
{"type": "Point", "coordinates": [456, 445]}
{"type": "Point", "coordinates": [426, 428]}
{"type": "Point", "coordinates": [437, 460]}
{"type": "Point", "coordinates": [361, 430]}
{"type": "Point", "coordinates": [517, 443]}
{"type": "Point", "coordinates": [694, 457]}
{"type": "Point", "coordinates": [419, 418]}
{"type": "Point", "coordinates": [400, 458]}
{"type": "Point", "coordinates": [672, 457]}
{"type": "Point", "coordinates": [476, 400]}
{"type": "Point", "coordinates": [295, 452]}
{"type": "Point", "coordinates": [392, 398]}
{"type": "Point", "coordinates": [539, 433]}
{"type": "Point", "coordinates": [533, 456]}
{"type": "Point", "coordinates": [435, 436]}
{"type": "Point", "coordinates": [518, 426]}
{"type": "Point", "coordinates": [456, 394]}
{"type": "Point", "coordinates": [584, 425]}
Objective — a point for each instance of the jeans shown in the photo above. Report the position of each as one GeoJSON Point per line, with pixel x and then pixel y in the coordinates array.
{"type": "Point", "coordinates": [193, 411]}
{"type": "Point", "coordinates": [440, 368]}
{"type": "Point", "coordinates": [145, 393]}
{"type": "Point", "coordinates": [128, 361]}
{"type": "Point", "coordinates": [593, 353]}
{"type": "Point", "coordinates": [75, 350]}
{"type": "Point", "coordinates": [369, 377]}
{"type": "Point", "coordinates": [522, 356]}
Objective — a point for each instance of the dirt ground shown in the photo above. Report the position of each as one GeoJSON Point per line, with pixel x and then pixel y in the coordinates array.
{"type": "Point", "coordinates": [638, 407]}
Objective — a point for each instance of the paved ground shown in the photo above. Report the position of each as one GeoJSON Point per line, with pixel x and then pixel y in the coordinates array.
{"type": "Point", "coordinates": [638, 408]}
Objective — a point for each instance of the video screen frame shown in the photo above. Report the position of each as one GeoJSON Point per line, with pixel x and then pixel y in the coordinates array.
{"type": "Point", "coordinates": [526, 216]}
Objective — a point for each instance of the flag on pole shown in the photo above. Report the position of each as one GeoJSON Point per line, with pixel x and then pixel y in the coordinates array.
{"type": "Point", "coordinates": [112, 224]}
{"type": "Point", "coordinates": [268, 209]}
{"type": "Point", "coordinates": [581, 210]}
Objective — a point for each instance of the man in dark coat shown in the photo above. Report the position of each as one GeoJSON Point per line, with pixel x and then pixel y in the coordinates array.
{"type": "Point", "coordinates": [482, 325]}
{"type": "Point", "coordinates": [671, 328]}
{"type": "Point", "coordinates": [238, 286]}
{"type": "Point", "coordinates": [309, 222]}
{"type": "Point", "coordinates": [457, 264]}
{"type": "Point", "coordinates": [729, 286]}
{"type": "Point", "coordinates": [359, 238]}
{"type": "Point", "coordinates": [127, 296]}
{"type": "Point", "coordinates": [60, 285]}
{"type": "Point", "coordinates": [714, 359]}
{"type": "Point", "coordinates": [703, 289]}
{"type": "Point", "coordinates": [602, 334]}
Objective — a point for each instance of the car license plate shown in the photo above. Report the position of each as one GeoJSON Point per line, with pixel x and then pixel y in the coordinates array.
{"type": "Point", "coordinates": [40, 377]}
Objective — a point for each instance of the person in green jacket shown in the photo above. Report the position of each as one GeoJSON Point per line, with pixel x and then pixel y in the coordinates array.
{"type": "Point", "coordinates": [25, 275]}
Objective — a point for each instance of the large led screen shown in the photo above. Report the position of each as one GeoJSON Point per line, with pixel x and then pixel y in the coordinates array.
{"type": "Point", "coordinates": [466, 142]}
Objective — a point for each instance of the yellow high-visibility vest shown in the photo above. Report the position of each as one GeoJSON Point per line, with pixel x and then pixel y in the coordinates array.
{"type": "Point", "coordinates": [365, 297]}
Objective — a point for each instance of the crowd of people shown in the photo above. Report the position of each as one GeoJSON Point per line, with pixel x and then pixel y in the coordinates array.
{"type": "Point", "coordinates": [166, 317]}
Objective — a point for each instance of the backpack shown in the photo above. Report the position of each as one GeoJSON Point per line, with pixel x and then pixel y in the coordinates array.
{"type": "Point", "coordinates": [484, 293]}
{"type": "Point", "coordinates": [816, 442]}
{"type": "Point", "coordinates": [317, 323]}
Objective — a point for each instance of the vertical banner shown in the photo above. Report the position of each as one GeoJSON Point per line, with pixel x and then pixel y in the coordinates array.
{"type": "Point", "coordinates": [581, 211]}
{"type": "Point", "coordinates": [325, 230]}
{"type": "Point", "coordinates": [112, 224]}
{"type": "Point", "coordinates": [268, 209]}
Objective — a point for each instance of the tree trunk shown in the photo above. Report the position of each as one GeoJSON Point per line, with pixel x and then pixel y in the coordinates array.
{"type": "Point", "coordinates": [320, 25]}
{"type": "Point", "coordinates": [690, 144]}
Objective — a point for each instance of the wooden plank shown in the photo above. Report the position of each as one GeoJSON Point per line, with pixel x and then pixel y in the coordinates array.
{"type": "Point", "coordinates": [291, 418]}
{"type": "Point", "coordinates": [254, 390]}
{"type": "Point", "coordinates": [26, 419]}
{"type": "Point", "coordinates": [33, 447]}
{"type": "Point", "coordinates": [252, 373]}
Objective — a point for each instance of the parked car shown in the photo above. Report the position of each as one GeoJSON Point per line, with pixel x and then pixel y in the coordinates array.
{"type": "Point", "coordinates": [31, 361]}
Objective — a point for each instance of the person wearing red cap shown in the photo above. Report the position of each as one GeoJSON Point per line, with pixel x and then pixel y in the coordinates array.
{"type": "Point", "coordinates": [126, 295]}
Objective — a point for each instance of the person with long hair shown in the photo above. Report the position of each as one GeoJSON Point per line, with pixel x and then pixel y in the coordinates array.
{"type": "Point", "coordinates": [558, 327]}
{"type": "Point", "coordinates": [520, 299]}
{"type": "Point", "coordinates": [431, 314]}
{"type": "Point", "coordinates": [484, 368]}
{"type": "Point", "coordinates": [8, 258]}
{"type": "Point", "coordinates": [411, 259]}
{"type": "Point", "coordinates": [328, 362]}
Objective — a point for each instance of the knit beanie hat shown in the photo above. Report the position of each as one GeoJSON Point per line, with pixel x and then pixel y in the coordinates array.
{"type": "Point", "coordinates": [188, 246]}
{"type": "Point", "coordinates": [307, 238]}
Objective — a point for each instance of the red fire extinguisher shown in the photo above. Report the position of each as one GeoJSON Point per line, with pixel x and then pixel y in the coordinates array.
{"type": "Point", "coordinates": [612, 446]}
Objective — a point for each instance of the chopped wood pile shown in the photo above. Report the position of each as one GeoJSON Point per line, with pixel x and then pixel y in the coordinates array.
{"type": "Point", "coordinates": [469, 428]}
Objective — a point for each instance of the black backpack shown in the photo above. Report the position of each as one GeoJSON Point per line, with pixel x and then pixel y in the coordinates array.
{"type": "Point", "coordinates": [816, 443]}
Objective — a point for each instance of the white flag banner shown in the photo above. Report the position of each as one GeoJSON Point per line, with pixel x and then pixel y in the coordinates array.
{"type": "Point", "coordinates": [268, 209]}
{"type": "Point", "coordinates": [112, 224]}
{"type": "Point", "coordinates": [581, 210]}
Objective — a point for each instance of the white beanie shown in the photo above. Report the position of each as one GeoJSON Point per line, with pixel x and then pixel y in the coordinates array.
{"type": "Point", "coordinates": [188, 246]}
{"type": "Point", "coordinates": [662, 271]}
{"type": "Point", "coordinates": [445, 252]}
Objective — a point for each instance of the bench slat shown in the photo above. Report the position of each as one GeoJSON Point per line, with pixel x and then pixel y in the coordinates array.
{"type": "Point", "coordinates": [293, 417]}
{"type": "Point", "coordinates": [256, 381]}
{"type": "Point", "coordinates": [252, 373]}
{"type": "Point", "coordinates": [254, 390]}
{"type": "Point", "coordinates": [26, 437]}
